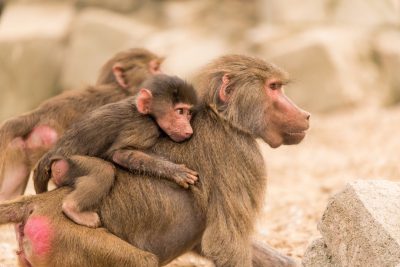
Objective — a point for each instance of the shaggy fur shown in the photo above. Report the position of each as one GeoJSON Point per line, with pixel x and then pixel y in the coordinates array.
{"type": "Point", "coordinates": [215, 218]}
{"type": "Point", "coordinates": [60, 112]}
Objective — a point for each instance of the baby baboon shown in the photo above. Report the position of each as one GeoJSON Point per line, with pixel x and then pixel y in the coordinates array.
{"type": "Point", "coordinates": [24, 139]}
{"type": "Point", "coordinates": [120, 132]}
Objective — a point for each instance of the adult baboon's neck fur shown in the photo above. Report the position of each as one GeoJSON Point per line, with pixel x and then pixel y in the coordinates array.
{"type": "Point", "coordinates": [230, 190]}
{"type": "Point", "coordinates": [227, 122]}
{"type": "Point", "coordinates": [230, 166]}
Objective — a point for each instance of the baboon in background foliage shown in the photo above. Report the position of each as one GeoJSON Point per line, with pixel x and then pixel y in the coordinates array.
{"type": "Point", "coordinates": [24, 139]}
{"type": "Point", "coordinates": [154, 221]}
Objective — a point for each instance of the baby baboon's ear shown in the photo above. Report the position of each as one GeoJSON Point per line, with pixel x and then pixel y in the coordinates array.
{"type": "Point", "coordinates": [144, 100]}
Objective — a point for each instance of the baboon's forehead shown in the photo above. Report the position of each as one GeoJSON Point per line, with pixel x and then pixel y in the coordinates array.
{"type": "Point", "coordinates": [239, 65]}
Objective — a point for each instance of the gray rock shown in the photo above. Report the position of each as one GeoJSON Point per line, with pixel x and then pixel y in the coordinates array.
{"type": "Point", "coordinates": [32, 44]}
{"type": "Point", "coordinates": [361, 225]}
{"type": "Point", "coordinates": [318, 255]}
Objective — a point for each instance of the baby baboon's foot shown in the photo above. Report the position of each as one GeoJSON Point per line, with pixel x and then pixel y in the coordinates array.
{"type": "Point", "coordinates": [86, 218]}
{"type": "Point", "coordinates": [59, 170]}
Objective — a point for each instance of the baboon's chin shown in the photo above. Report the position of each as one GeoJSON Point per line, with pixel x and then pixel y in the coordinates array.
{"type": "Point", "coordinates": [273, 142]}
{"type": "Point", "coordinates": [293, 138]}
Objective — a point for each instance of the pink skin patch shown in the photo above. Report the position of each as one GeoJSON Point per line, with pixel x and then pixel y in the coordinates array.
{"type": "Point", "coordinates": [41, 136]}
{"type": "Point", "coordinates": [59, 170]}
{"type": "Point", "coordinates": [39, 232]}
{"type": "Point", "coordinates": [176, 123]}
{"type": "Point", "coordinates": [17, 143]}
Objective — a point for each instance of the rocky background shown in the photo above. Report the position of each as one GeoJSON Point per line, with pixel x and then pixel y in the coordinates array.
{"type": "Point", "coordinates": [343, 56]}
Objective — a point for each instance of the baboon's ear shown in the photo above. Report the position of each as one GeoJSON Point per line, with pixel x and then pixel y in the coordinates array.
{"type": "Point", "coordinates": [155, 65]}
{"type": "Point", "coordinates": [143, 101]}
{"type": "Point", "coordinates": [119, 75]}
{"type": "Point", "coordinates": [223, 93]}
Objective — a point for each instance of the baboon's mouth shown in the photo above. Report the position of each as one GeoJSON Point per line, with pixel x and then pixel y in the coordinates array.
{"type": "Point", "coordinates": [292, 138]}
{"type": "Point", "coordinates": [297, 134]}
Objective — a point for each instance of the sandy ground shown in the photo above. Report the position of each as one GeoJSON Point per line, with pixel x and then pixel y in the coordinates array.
{"type": "Point", "coordinates": [340, 147]}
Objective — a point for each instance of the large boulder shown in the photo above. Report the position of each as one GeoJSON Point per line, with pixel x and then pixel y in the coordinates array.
{"type": "Point", "coordinates": [325, 64]}
{"type": "Point", "coordinates": [339, 12]}
{"type": "Point", "coordinates": [361, 224]}
{"type": "Point", "coordinates": [32, 44]}
{"type": "Point", "coordinates": [186, 50]}
{"type": "Point", "coordinates": [96, 36]}
{"type": "Point", "coordinates": [116, 5]}
{"type": "Point", "coordinates": [229, 19]}
{"type": "Point", "coordinates": [292, 11]}
{"type": "Point", "coordinates": [364, 12]}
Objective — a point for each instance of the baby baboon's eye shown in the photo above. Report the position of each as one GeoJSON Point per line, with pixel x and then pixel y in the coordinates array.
{"type": "Point", "coordinates": [179, 111]}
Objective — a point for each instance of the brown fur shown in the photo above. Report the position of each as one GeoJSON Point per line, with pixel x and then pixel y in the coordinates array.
{"type": "Point", "coordinates": [216, 217]}
{"type": "Point", "coordinates": [58, 113]}
{"type": "Point", "coordinates": [118, 132]}
{"type": "Point", "coordinates": [135, 68]}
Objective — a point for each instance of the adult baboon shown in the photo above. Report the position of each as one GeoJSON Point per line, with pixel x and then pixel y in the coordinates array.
{"type": "Point", "coordinates": [242, 100]}
{"type": "Point", "coordinates": [24, 139]}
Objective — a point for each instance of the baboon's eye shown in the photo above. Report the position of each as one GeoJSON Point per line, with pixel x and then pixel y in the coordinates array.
{"type": "Point", "coordinates": [275, 85]}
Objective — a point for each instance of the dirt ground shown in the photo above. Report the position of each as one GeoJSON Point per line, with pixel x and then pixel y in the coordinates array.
{"type": "Point", "coordinates": [354, 144]}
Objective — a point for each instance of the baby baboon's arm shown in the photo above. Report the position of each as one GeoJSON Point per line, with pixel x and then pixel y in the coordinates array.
{"type": "Point", "coordinates": [136, 160]}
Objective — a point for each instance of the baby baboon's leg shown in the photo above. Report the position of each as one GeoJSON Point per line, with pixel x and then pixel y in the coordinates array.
{"type": "Point", "coordinates": [93, 180]}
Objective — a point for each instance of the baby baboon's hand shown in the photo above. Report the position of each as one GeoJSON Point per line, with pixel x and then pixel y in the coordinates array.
{"type": "Point", "coordinates": [184, 176]}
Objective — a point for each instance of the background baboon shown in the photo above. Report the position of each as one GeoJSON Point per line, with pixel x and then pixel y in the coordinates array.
{"type": "Point", "coordinates": [120, 132]}
{"type": "Point", "coordinates": [24, 139]}
{"type": "Point", "coordinates": [242, 100]}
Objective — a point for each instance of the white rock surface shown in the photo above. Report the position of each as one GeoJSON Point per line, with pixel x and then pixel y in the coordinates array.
{"type": "Point", "coordinates": [117, 5]}
{"type": "Point", "coordinates": [318, 255]}
{"type": "Point", "coordinates": [97, 35]}
{"type": "Point", "coordinates": [364, 12]}
{"type": "Point", "coordinates": [367, 13]}
{"type": "Point", "coordinates": [186, 51]}
{"type": "Point", "coordinates": [28, 21]}
{"type": "Point", "coordinates": [32, 44]}
{"type": "Point", "coordinates": [323, 65]}
{"type": "Point", "coordinates": [293, 11]}
{"type": "Point", "coordinates": [361, 225]}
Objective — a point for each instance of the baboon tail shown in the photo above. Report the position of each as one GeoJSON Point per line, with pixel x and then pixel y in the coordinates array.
{"type": "Point", "coordinates": [42, 173]}
{"type": "Point", "coordinates": [15, 211]}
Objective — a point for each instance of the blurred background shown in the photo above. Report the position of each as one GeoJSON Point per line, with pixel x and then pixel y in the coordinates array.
{"type": "Point", "coordinates": [343, 57]}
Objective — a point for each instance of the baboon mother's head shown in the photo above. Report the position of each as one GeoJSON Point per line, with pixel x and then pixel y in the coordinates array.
{"type": "Point", "coordinates": [248, 92]}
